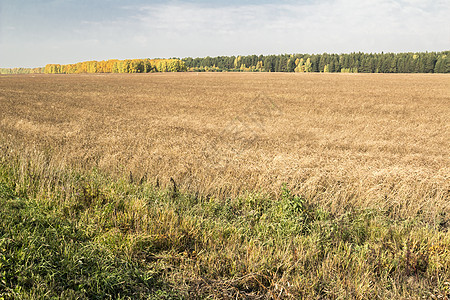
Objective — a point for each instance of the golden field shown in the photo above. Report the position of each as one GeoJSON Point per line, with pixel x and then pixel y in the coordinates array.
{"type": "Point", "coordinates": [287, 186]}
{"type": "Point", "coordinates": [373, 140]}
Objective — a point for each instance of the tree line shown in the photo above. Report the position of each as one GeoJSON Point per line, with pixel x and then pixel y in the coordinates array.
{"type": "Point", "coordinates": [106, 66]}
{"type": "Point", "coordinates": [424, 62]}
{"type": "Point", "coordinates": [21, 70]}
{"type": "Point", "coordinates": [118, 66]}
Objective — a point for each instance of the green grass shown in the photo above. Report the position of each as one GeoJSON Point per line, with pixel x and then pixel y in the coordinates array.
{"type": "Point", "coordinates": [44, 254]}
{"type": "Point", "coordinates": [83, 235]}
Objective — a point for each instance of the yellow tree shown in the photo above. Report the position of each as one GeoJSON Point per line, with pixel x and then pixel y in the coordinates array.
{"type": "Point", "coordinates": [308, 65]}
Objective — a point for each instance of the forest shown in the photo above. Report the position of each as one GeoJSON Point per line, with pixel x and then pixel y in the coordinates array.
{"type": "Point", "coordinates": [423, 62]}
{"type": "Point", "coordinates": [21, 70]}
{"type": "Point", "coordinates": [106, 66]}
{"type": "Point", "coordinates": [118, 66]}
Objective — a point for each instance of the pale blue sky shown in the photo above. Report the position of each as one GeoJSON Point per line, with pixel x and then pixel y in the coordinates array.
{"type": "Point", "coordinates": [36, 32]}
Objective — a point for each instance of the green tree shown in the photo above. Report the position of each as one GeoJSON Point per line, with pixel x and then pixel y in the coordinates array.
{"type": "Point", "coordinates": [442, 64]}
{"type": "Point", "coordinates": [430, 63]}
{"type": "Point", "coordinates": [291, 64]}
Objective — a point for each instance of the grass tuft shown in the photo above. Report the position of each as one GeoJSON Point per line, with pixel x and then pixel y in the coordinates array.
{"type": "Point", "coordinates": [87, 235]}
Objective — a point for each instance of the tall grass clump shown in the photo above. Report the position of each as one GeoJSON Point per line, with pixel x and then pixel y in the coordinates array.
{"type": "Point", "coordinates": [82, 234]}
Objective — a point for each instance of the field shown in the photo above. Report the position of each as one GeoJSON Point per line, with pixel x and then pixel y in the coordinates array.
{"type": "Point", "coordinates": [229, 185]}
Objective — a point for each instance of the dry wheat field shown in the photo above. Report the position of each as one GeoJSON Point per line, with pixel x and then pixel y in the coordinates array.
{"type": "Point", "coordinates": [225, 186]}
{"type": "Point", "coordinates": [371, 140]}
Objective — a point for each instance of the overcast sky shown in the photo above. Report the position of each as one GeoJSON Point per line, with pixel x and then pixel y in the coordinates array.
{"type": "Point", "coordinates": [36, 32]}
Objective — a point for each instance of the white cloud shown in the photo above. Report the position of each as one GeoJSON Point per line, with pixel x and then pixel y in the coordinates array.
{"type": "Point", "coordinates": [339, 26]}
{"type": "Point", "coordinates": [183, 29]}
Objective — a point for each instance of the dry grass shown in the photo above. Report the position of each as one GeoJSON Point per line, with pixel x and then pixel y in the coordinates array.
{"type": "Point", "coordinates": [367, 153]}
{"type": "Point", "coordinates": [365, 140]}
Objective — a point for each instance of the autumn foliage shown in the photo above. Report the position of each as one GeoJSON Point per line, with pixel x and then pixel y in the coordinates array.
{"type": "Point", "coordinates": [118, 66]}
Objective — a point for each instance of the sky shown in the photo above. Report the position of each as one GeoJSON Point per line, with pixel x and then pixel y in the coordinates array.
{"type": "Point", "coordinates": [34, 33]}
